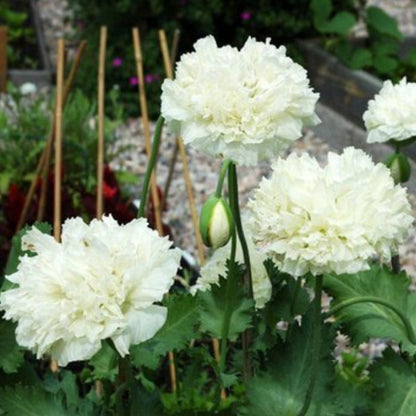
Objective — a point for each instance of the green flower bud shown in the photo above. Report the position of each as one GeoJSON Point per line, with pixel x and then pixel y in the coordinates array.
{"type": "Point", "coordinates": [399, 167]}
{"type": "Point", "coordinates": [216, 223]}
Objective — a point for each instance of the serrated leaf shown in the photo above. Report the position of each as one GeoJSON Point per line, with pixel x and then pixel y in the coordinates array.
{"type": "Point", "coordinates": [145, 403]}
{"type": "Point", "coordinates": [396, 386]}
{"type": "Point", "coordinates": [105, 363]}
{"type": "Point", "coordinates": [378, 20]}
{"type": "Point", "coordinates": [143, 355]}
{"type": "Point", "coordinates": [180, 325]}
{"type": "Point", "coordinates": [227, 299]}
{"type": "Point", "coordinates": [16, 249]}
{"type": "Point", "coordinates": [11, 356]}
{"type": "Point", "coordinates": [29, 401]}
{"type": "Point", "coordinates": [282, 388]}
{"type": "Point", "coordinates": [371, 320]}
{"type": "Point", "coordinates": [228, 380]}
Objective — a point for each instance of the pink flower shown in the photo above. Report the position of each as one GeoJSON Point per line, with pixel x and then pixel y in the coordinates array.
{"type": "Point", "coordinates": [148, 78]}
{"type": "Point", "coordinates": [117, 62]}
{"type": "Point", "coordinates": [133, 81]}
{"type": "Point", "coordinates": [245, 15]}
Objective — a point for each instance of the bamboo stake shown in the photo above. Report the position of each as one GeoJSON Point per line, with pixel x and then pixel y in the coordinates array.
{"type": "Point", "coordinates": [58, 152]}
{"type": "Point", "coordinates": [174, 158]}
{"type": "Point", "coordinates": [187, 176]}
{"type": "Point", "coordinates": [100, 156]}
{"type": "Point", "coordinates": [146, 126]}
{"type": "Point", "coordinates": [58, 140]}
{"type": "Point", "coordinates": [3, 59]}
{"type": "Point", "coordinates": [68, 86]}
{"type": "Point", "coordinates": [155, 196]}
{"type": "Point", "coordinates": [189, 188]}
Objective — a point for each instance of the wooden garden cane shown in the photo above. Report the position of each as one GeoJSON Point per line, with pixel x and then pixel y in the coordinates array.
{"type": "Point", "coordinates": [67, 88]}
{"type": "Point", "coordinates": [3, 59]}
{"type": "Point", "coordinates": [146, 129]}
{"type": "Point", "coordinates": [43, 157]}
{"type": "Point", "coordinates": [189, 188]}
{"type": "Point", "coordinates": [101, 92]}
{"type": "Point", "coordinates": [58, 151]}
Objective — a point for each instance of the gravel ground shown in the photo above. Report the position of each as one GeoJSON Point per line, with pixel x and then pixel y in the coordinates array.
{"type": "Point", "coordinates": [203, 169]}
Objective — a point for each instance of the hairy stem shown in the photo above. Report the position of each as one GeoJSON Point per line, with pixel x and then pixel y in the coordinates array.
{"type": "Point", "coordinates": [235, 209]}
{"type": "Point", "coordinates": [316, 344]}
{"type": "Point", "coordinates": [150, 166]}
{"type": "Point", "coordinates": [221, 177]}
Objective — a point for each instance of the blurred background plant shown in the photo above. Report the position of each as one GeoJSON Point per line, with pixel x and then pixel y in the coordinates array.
{"type": "Point", "coordinates": [21, 51]}
{"type": "Point", "coordinates": [232, 22]}
{"type": "Point", "coordinates": [229, 22]}
{"type": "Point", "coordinates": [25, 122]}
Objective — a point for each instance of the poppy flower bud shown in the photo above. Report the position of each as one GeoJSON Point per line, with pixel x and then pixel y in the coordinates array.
{"type": "Point", "coordinates": [399, 167]}
{"type": "Point", "coordinates": [215, 222]}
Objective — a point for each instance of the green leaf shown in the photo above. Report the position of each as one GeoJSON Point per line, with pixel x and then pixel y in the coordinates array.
{"type": "Point", "coordinates": [11, 356]}
{"type": "Point", "coordinates": [360, 58]}
{"type": "Point", "coordinates": [145, 403]}
{"type": "Point", "coordinates": [105, 363]}
{"type": "Point", "coordinates": [228, 380]}
{"type": "Point", "coordinates": [371, 320]}
{"type": "Point", "coordinates": [321, 9]}
{"type": "Point", "coordinates": [340, 24]}
{"type": "Point", "coordinates": [29, 401]}
{"type": "Point", "coordinates": [180, 326]}
{"type": "Point", "coordinates": [16, 250]}
{"type": "Point", "coordinates": [282, 388]}
{"type": "Point", "coordinates": [385, 64]}
{"type": "Point", "coordinates": [225, 301]}
{"type": "Point", "coordinates": [379, 21]}
{"type": "Point", "coordinates": [396, 386]}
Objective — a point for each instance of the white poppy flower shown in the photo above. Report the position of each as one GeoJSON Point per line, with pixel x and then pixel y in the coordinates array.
{"type": "Point", "coordinates": [332, 219]}
{"type": "Point", "coordinates": [101, 282]}
{"type": "Point", "coordinates": [245, 105]}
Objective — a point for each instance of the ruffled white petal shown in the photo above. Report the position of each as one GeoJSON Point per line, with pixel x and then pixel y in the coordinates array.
{"type": "Point", "coordinates": [246, 105]}
{"type": "Point", "coordinates": [332, 219]}
{"type": "Point", "coordinates": [99, 283]}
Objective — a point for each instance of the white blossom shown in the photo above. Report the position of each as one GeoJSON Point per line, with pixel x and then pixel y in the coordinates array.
{"type": "Point", "coordinates": [391, 114]}
{"type": "Point", "coordinates": [245, 105]}
{"type": "Point", "coordinates": [101, 282]}
{"type": "Point", "coordinates": [332, 219]}
{"type": "Point", "coordinates": [28, 88]}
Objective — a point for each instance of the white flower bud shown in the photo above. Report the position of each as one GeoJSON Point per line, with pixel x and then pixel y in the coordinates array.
{"type": "Point", "coordinates": [216, 222]}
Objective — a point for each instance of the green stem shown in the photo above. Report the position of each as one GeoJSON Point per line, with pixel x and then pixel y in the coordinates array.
{"type": "Point", "coordinates": [295, 295]}
{"type": "Point", "coordinates": [248, 283]}
{"type": "Point", "coordinates": [235, 209]}
{"type": "Point", "coordinates": [228, 311]}
{"type": "Point", "coordinates": [221, 177]}
{"type": "Point", "coordinates": [373, 299]}
{"type": "Point", "coordinates": [150, 166]}
{"type": "Point", "coordinates": [125, 381]}
{"type": "Point", "coordinates": [316, 344]}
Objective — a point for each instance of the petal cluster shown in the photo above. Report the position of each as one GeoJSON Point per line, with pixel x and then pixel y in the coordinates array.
{"type": "Point", "coordinates": [391, 114]}
{"type": "Point", "coordinates": [331, 219]}
{"type": "Point", "coordinates": [215, 266]}
{"type": "Point", "coordinates": [246, 105]}
{"type": "Point", "coordinates": [101, 281]}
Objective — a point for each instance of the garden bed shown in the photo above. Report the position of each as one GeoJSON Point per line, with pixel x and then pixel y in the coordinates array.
{"type": "Point", "coordinates": [42, 75]}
